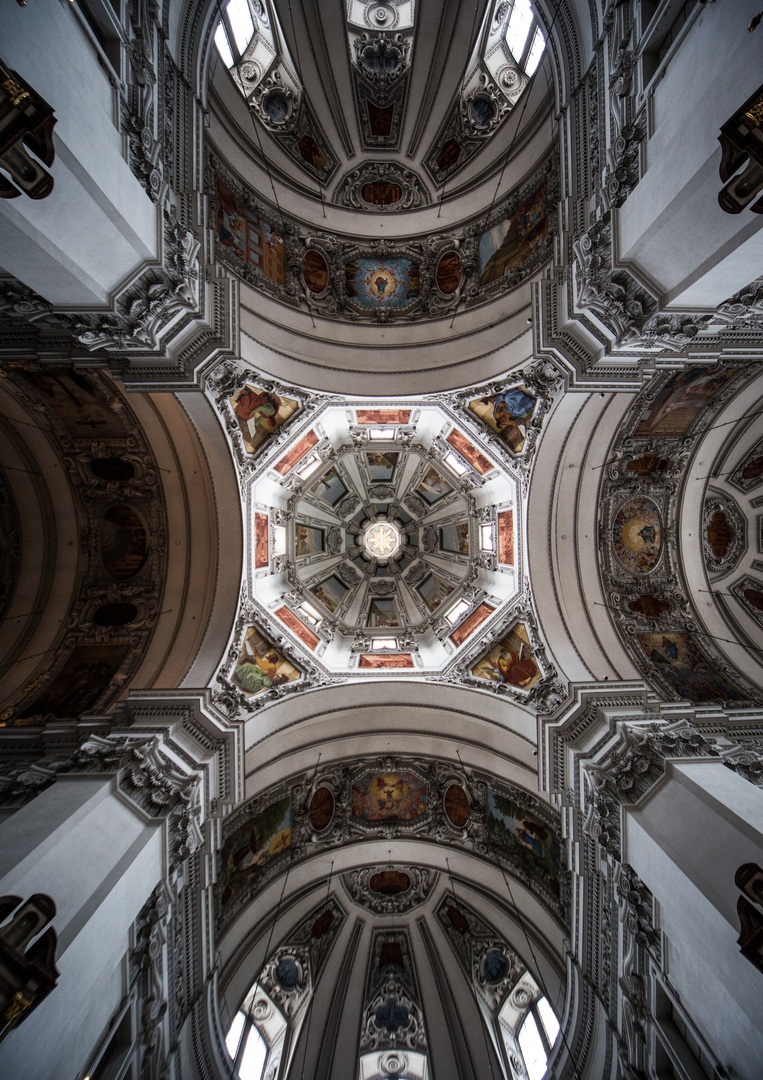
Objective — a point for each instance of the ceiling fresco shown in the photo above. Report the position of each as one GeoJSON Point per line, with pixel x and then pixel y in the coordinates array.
{"type": "Point", "coordinates": [356, 278]}
{"type": "Point", "coordinates": [394, 799]}
{"type": "Point", "coordinates": [648, 547]}
{"type": "Point", "coordinates": [382, 539]}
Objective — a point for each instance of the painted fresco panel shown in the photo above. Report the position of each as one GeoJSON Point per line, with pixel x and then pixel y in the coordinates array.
{"type": "Point", "coordinates": [383, 612]}
{"type": "Point", "coordinates": [383, 416]}
{"type": "Point", "coordinates": [381, 466]}
{"type": "Point", "coordinates": [637, 535]}
{"type": "Point", "coordinates": [682, 664]}
{"type": "Point", "coordinates": [433, 487]}
{"type": "Point", "coordinates": [522, 835]}
{"type": "Point", "coordinates": [254, 844]}
{"type": "Point", "coordinates": [309, 540]}
{"type": "Point", "coordinates": [260, 540]}
{"type": "Point", "coordinates": [123, 541]}
{"type": "Point", "coordinates": [387, 283]}
{"type": "Point", "coordinates": [469, 625]}
{"type": "Point", "coordinates": [508, 414]}
{"type": "Point", "coordinates": [385, 663]}
{"type": "Point", "coordinates": [329, 488]}
{"type": "Point", "coordinates": [434, 589]}
{"type": "Point", "coordinates": [260, 413]}
{"type": "Point", "coordinates": [261, 666]}
{"type": "Point", "coordinates": [297, 627]}
{"type": "Point", "coordinates": [79, 684]}
{"type": "Point", "coordinates": [681, 400]}
{"type": "Point", "coordinates": [510, 243]}
{"type": "Point", "coordinates": [297, 452]}
{"type": "Point", "coordinates": [250, 238]}
{"type": "Point", "coordinates": [469, 452]}
{"type": "Point", "coordinates": [506, 537]}
{"type": "Point", "coordinates": [77, 402]}
{"type": "Point", "coordinates": [389, 797]}
{"type": "Point", "coordinates": [455, 538]}
{"type": "Point", "coordinates": [330, 592]}
{"type": "Point", "coordinates": [510, 661]}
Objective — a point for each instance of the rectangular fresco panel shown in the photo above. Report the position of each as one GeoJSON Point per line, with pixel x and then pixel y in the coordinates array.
{"type": "Point", "coordinates": [434, 589]}
{"type": "Point", "coordinates": [506, 537]}
{"type": "Point", "coordinates": [250, 238]}
{"type": "Point", "coordinates": [389, 797]}
{"type": "Point", "coordinates": [433, 487]}
{"type": "Point", "coordinates": [253, 845]}
{"type": "Point", "coordinates": [468, 626]}
{"type": "Point", "coordinates": [297, 627]}
{"type": "Point", "coordinates": [681, 400]}
{"type": "Point", "coordinates": [381, 466]}
{"type": "Point", "coordinates": [523, 836]}
{"type": "Point", "coordinates": [383, 613]}
{"type": "Point", "coordinates": [469, 452]}
{"type": "Point", "coordinates": [512, 242]}
{"type": "Point", "coordinates": [260, 540]}
{"type": "Point", "coordinates": [455, 538]}
{"type": "Point", "coordinates": [510, 661]}
{"type": "Point", "coordinates": [259, 414]}
{"type": "Point", "coordinates": [297, 452]}
{"type": "Point", "coordinates": [383, 416]}
{"type": "Point", "coordinates": [329, 488]}
{"type": "Point", "coordinates": [679, 660]}
{"type": "Point", "coordinates": [330, 592]}
{"type": "Point", "coordinates": [261, 666]}
{"type": "Point", "coordinates": [382, 663]}
{"type": "Point", "coordinates": [309, 540]}
{"type": "Point", "coordinates": [382, 283]}
{"type": "Point", "coordinates": [508, 414]}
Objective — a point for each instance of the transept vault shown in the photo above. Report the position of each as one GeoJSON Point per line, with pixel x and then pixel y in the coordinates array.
{"type": "Point", "coordinates": [381, 588]}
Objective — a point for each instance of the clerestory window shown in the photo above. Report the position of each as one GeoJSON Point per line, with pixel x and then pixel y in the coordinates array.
{"type": "Point", "coordinates": [234, 32]}
{"type": "Point", "coordinates": [534, 1035]}
{"type": "Point", "coordinates": [524, 37]}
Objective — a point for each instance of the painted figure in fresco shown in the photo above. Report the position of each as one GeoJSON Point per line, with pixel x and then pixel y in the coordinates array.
{"type": "Point", "coordinates": [230, 223]}
{"type": "Point", "coordinates": [511, 411]}
{"type": "Point", "coordinates": [258, 406]}
{"type": "Point", "coordinates": [514, 668]}
{"type": "Point", "coordinates": [260, 673]}
{"type": "Point", "coordinates": [252, 846]}
{"type": "Point", "coordinates": [532, 835]}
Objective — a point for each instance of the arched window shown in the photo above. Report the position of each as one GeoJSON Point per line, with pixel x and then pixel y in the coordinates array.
{"type": "Point", "coordinates": [524, 37]}
{"type": "Point", "coordinates": [530, 1033]}
{"type": "Point", "coordinates": [234, 31]}
{"type": "Point", "coordinates": [256, 1035]}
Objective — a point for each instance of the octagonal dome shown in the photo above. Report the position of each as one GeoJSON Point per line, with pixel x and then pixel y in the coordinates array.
{"type": "Point", "coordinates": [380, 537]}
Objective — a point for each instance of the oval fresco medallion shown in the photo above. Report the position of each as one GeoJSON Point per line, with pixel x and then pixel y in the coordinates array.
{"type": "Point", "coordinates": [457, 806]}
{"type": "Point", "coordinates": [637, 535]}
{"type": "Point", "coordinates": [389, 882]}
{"type": "Point", "coordinates": [123, 541]}
{"type": "Point", "coordinates": [287, 973]}
{"type": "Point", "coordinates": [449, 272]}
{"type": "Point", "coordinates": [321, 809]}
{"type": "Point", "coordinates": [494, 966]}
{"type": "Point", "coordinates": [315, 271]}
